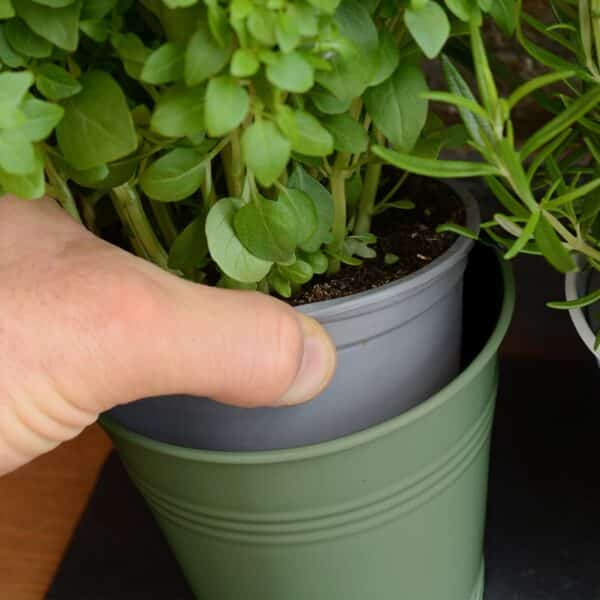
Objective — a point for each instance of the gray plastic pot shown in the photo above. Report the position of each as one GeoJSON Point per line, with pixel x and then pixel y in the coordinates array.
{"type": "Point", "coordinates": [586, 320]}
{"type": "Point", "coordinates": [395, 512]}
{"type": "Point", "coordinates": [397, 345]}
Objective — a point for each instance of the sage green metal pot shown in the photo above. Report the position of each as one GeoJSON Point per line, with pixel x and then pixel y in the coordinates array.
{"type": "Point", "coordinates": [395, 512]}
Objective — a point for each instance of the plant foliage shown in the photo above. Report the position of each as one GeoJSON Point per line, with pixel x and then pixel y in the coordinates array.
{"type": "Point", "coordinates": [229, 135]}
{"type": "Point", "coordinates": [549, 186]}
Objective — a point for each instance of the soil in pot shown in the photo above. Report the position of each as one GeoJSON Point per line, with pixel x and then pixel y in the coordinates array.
{"type": "Point", "coordinates": [408, 237]}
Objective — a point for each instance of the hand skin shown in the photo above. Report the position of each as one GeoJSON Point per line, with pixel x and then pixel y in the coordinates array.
{"type": "Point", "coordinates": [85, 326]}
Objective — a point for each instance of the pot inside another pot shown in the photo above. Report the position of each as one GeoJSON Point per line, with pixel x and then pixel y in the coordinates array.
{"type": "Point", "coordinates": [397, 345]}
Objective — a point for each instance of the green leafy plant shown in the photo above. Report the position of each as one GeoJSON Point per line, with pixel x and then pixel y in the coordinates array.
{"type": "Point", "coordinates": [229, 136]}
{"type": "Point", "coordinates": [550, 185]}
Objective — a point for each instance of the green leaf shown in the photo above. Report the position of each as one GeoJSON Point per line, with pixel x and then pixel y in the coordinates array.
{"type": "Point", "coordinates": [558, 124]}
{"type": "Point", "coordinates": [525, 236]}
{"type": "Point", "coordinates": [323, 202]}
{"type": "Point", "coordinates": [227, 104]}
{"type": "Point", "coordinates": [505, 14]}
{"type": "Point", "coordinates": [6, 9]}
{"type": "Point", "coordinates": [545, 57]}
{"type": "Point", "coordinates": [28, 187]}
{"type": "Point", "coordinates": [300, 272]}
{"type": "Point", "coordinates": [327, 103]}
{"type": "Point", "coordinates": [397, 107]}
{"type": "Point", "coordinates": [261, 24]}
{"type": "Point", "coordinates": [266, 151]}
{"type": "Point", "coordinates": [388, 57]}
{"type": "Point", "coordinates": [458, 229]}
{"type": "Point", "coordinates": [26, 42]}
{"type": "Point", "coordinates": [95, 9]}
{"type": "Point", "coordinates": [132, 52]}
{"type": "Point", "coordinates": [190, 247]}
{"type": "Point", "coordinates": [174, 176]}
{"type": "Point", "coordinates": [7, 55]}
{"type": "Point", "coordinates": [280, 284]}
{"type": "Point", "coordinates": [505, 197]}
{"type": "Point", "coordinates": [59, 25]}
{"type": "Point", "coordinates": [40, 119]}
{"type": "Point", "coordinates": [306, 135]}
{"type": "Point", "coordinates": [13, 87]}
{"type": "Point", "coordinates": [325, 5]}
{"type": "Point", "coordinates": [165, 64]}
{"type": "Point", "coordinates": [483, 73]}
{"type": "Point", "coordinates": [348, 135]}
{"type": "Point", "coordinates": [355, 63]}
{"type": "Point", "coordinates": [205, 57]}
{"type": "Point", "coordinates": [304, 210]}
{"type": "Point", "coordinates": [97, 127]}
{"type": "Point", "coordinates": [226, 249]}
{"type": "Point", "coordinates": [306, 16]}
{"type": "Point", "coordinates": [16, 153]}
{"type": "Point", "coordinates": [552, 248]}
{"type": "Point", "coordinates": [244, 63]}
{"type": "Point", "coordinates": [99, 31]}
{"type": "Point", "coordinates": [55, 83]}
{"type": "Point", "coordinates": [291, 72]}
{"type": "Point", "coordinates": [458, 101]}
{"type": "Point", "coordinates": [179, 112]}
{"type": "Point", "coordinates": [267, 229]}
{"type": "Point", "coordinates": [572, 195]}
{"type": "Point", "coordinates": [318, 262]}
{"type": "Point", "coordinates": [463, 9]}
{"type": "Point", "coordinates": [287, 31]}
{"type": "Point", "coordinates": [526, 89]}
{"type": "Point", "coordinates": [434, 168]}
{"type": "Point", "coordinates": [479, 129]}
{"type": "Point", "coordinates": [429, 27]}
{"type": "Point", "coordinates": [581, 302]}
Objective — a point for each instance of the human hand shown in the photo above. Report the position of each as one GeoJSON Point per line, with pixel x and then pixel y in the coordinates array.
{"type": "Point", "coordinates": [85, 326]}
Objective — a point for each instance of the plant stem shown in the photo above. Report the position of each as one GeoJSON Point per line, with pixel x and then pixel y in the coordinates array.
{"type": "Point", "coordinates": [208, 189]}
{"type": "Point", "coordinates": [338, 191]}
{"type": "Point", "coordinates": [367, 198]}
{"type": "Point", "coordinates": [595, 17]}
{"type": "Point", "coordinates": [576, 244]}
{"type": "Point", "coordinates": [129, 207]}
{"type": "Point", "coordinates": [237, 167]}
{"type": "Point", "coordinates": [88, 212]}
{"type": "Point", "coordinates": [396, 187]}
{"type": "Point", "coordinates": [164, 220]}
{"type": "Point", "coordinates": [233, 166]}
{"type": "Point", "coordinates": [62, 191]}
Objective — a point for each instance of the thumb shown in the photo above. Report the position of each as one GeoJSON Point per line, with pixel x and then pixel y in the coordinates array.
{"type": "Point", "coordinates": [237, 347]}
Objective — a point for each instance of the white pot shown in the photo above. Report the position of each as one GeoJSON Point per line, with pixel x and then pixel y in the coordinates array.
{"type": "Point", "coordinates": [586, 320]}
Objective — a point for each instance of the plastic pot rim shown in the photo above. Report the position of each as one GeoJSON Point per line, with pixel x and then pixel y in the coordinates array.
{"type": "Point", "coordinates": [577, 315]}
{"type": "Point", "coordinates": [353, 440]}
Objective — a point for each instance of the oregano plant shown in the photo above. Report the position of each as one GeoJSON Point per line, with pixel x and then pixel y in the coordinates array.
{"type": "Point", "coordinates": [232, 137]}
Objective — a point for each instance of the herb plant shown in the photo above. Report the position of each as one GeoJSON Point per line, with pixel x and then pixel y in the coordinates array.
{"type": "Point", "coordinates": [550, 186]}
{"type": "Point", "coordinates": [227, 136]}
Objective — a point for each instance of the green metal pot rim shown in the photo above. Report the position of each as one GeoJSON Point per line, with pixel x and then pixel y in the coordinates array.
{"type": "Point", "coordinates": [355, 439]}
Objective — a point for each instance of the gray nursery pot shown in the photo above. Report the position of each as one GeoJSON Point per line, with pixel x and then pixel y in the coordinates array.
{"type": "Point", "coordinates": [586, 320]}
{"type": "Point", "coordinates": [397, 345]}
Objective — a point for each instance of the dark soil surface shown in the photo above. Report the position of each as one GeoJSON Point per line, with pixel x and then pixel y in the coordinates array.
{"type": "Point", "coordinates": [409, 234]}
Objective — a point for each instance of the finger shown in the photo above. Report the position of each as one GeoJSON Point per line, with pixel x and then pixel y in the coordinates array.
{"type": "Point", "coordinates": [237, 347]}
